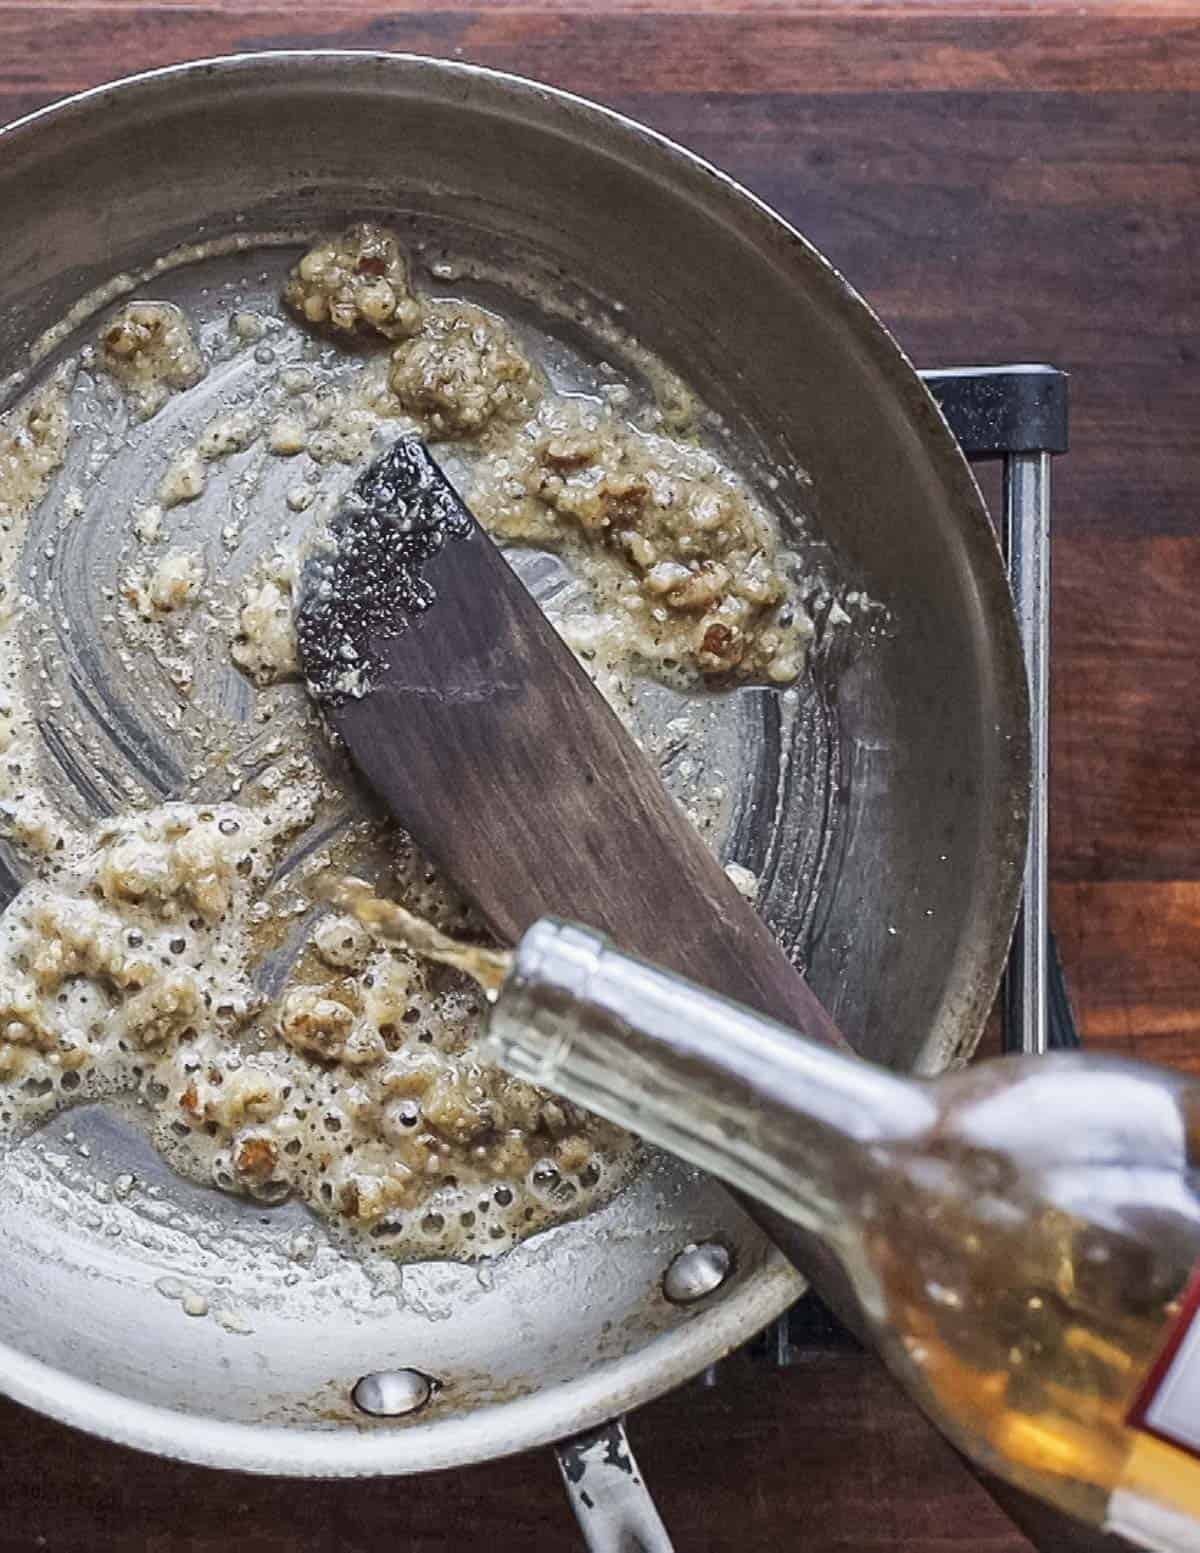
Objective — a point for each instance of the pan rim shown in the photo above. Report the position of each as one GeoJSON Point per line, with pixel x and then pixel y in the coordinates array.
{"type": "Point", "coordinates": [381, 1448]}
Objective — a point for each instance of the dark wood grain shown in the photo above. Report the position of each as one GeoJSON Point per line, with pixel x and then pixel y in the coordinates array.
{"type": "Point", "coordinates": [1002, 180]}
{"type": "Point", "coordinates": [711, 48]}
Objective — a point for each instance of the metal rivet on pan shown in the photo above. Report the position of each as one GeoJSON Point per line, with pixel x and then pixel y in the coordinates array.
{"type": "Point", "coordinates": [392, 1393]}
{"type": "Point", "coordinates": [696, 1272]}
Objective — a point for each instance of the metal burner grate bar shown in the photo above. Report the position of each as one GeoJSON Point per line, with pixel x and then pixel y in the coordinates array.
{"type": "Point", "coordinates": [1019, 414]}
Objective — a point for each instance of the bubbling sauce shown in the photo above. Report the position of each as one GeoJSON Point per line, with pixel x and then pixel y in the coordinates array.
{"type": "Point", "coordinates": [169, 940]}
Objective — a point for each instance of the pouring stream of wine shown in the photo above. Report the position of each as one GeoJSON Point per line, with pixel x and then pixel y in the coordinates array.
{"type": "Point", "coordinates": [392, 922]}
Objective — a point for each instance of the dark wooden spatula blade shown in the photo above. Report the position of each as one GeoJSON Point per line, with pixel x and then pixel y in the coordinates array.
{"type": "Point", "coordinates": [493, 748]}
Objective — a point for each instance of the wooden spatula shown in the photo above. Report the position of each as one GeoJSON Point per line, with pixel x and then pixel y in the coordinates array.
{"type": "Point", "coordinates": [473, 721]}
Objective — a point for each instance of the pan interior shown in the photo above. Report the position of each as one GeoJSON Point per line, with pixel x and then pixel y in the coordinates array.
{"type": "Point", "coordinates": [878, 805]}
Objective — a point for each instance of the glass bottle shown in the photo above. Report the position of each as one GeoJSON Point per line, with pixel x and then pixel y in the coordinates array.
{"type": "Point", "coordinates": [1021, 1236]}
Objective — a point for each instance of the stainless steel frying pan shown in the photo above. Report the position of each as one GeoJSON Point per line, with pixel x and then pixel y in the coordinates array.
{"type": "Point", "coordinates": [883, 808]}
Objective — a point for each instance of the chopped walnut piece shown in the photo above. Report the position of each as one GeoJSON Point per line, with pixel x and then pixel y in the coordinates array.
{"type": "Point", "coordinates": [255, 1157]}
{"type": "Point", "coordinates": [356, 284]}
{"type": "Point", "coordinates": [462, 371]}
{"type": "Point", "coordinates": [148, 348]}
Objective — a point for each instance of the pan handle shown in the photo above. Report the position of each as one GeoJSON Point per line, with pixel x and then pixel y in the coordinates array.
{"type": "Point", "coordinates": [611, 1502]}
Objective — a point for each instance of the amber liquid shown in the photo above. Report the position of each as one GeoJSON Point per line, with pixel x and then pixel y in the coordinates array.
{"type": "Point", "coordinates": [395, 924]}
{"type": "Point", "coordinates": [1026, 1305]}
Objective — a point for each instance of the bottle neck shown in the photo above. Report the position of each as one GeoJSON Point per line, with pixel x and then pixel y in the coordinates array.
{"type": "Point", "coordinates": [782, 1118]}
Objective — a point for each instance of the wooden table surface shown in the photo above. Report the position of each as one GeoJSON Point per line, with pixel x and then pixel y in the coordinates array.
{"type": "Point", "coordinates": [1004, 181]}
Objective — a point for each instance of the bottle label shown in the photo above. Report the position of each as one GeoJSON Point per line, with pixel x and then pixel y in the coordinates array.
{"type": "Point", "coordinates": [1168, 1405]}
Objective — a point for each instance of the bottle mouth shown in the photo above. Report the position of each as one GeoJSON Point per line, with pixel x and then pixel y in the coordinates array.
{"type": "Point", "coordinates": [644, 1047]}
{"type": "Point", "coordinates": [527, 1029]}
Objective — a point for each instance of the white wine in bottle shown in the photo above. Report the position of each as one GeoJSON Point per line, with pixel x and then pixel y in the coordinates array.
{"type": "Point", "coordinates": [1022, 1237]}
